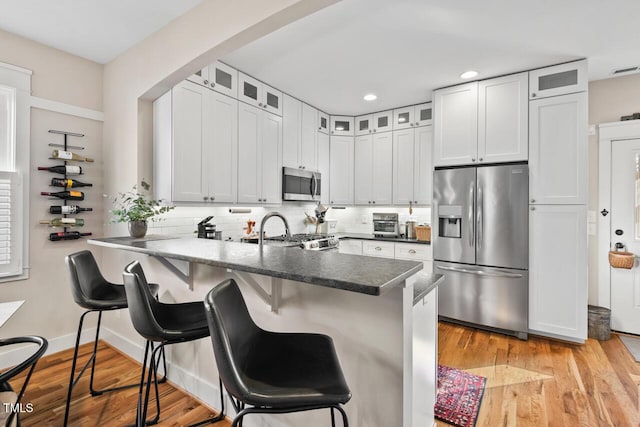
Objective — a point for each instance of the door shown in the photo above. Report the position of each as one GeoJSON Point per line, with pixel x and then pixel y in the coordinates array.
{"type": "Point", "coordinates": [403, 118]}
{"type": "Point", "coordinates": [342, 125]}
{"type": "Point", "coordinates": [383, 121]}
{"type": "Point", "coordinates": [363, 151]}
{"type": "Point", "coordinates": [456, 125]}
{"type": "Point", "coordinates": [341, 170]}
{"type": "Point", "coordinates": [291, 131]}
{"type": "Point", "coordinates": [364, 125]}
{"type": "Point", "coordinates": [191, 133]}
{"type": "Point", "coordinates": [558, 150]}
{"type": "Point", "coordinates": [423, 166]}
{"type": "Point", "coordinates": [309, 137]}
{"type": "Point", "coordinates": [271, 158]}
{"type": "Point", "coordinates": [249, 164]}
{"type": "Point", "coordinates": [625, 229]}
{"type": "Point", "coordinates": [223, 79]}
{"type": "Point", "coordinates": [323, 166]}
{"type": "Point", "coordinates": [453, 228]}
{"type": "Point", "coordinates": [502, 216]}
{"type": "Point", "coordinates": [403, 166]}
{"type": "Point", "coordinates": [423, 114]}
{"type": "Point", "coordinates": [223, 156]}
{"type": "Point", "coordinates": [381, 168]}
{"type": "Point", "coordinates": [271, 100]}
{"type": "Point", "coordinates": [249, 90]}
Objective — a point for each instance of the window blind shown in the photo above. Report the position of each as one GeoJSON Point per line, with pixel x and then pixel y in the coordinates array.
{"type": "Point", "coordinates": [10, 224]}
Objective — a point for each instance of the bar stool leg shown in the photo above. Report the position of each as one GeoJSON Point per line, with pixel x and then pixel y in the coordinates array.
{"type": "Point", "coordinates": [72, 380]}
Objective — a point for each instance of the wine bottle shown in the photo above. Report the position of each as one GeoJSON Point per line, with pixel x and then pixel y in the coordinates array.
{"type": "Point", "coordinates": [69, 209]}
{"type": "Point", "coordinates": [63, 222]}
{"type": "Point", "coordinates": [68, 195]}
{"type": "Point", "coordinates": [66, 235]}
{"type": "Point", "coordinates": [69, 183]}
{"type": "Point", "coordinates": [62, 169]}
{"type": "Point", "coordinates": [68, 155]}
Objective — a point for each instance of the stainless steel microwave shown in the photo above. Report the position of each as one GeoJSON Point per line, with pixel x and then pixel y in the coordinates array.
{"type": "Point", "coordinates": [300, 185]}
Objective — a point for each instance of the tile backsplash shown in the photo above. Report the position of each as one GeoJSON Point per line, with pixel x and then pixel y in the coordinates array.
{"type": "Point", "coordinates": [184, 220]}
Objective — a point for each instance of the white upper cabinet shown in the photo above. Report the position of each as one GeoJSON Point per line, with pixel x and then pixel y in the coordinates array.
{"type": "Point", "coordinates": [200, 77]}
{"type": "Point", "coordinates": [300, 134]}
{"type": "Point", "coordinates": [341, 170]}
{"type": "Point", "coordinates": [412, 116]}
{"type": "Point", "coordinates": [373, 169]}
{"type": "Point", "coordinates": [374, 123]}
{"type": "Point", "coordinates": [223, 79]}
{"type": "Point", "coordinates": [503, 116]}
{"type": "Point", "coordinates": [558, 150]}
{"type": "Point", "coordinates": [341, 126]}
{"type": "Point", "coordinates": [260, 164]}
{"type": "Point", "coordinates": [324, 161]}
{"type": "Point", "coordinates": [456, 125]}
{"type": "Point", "coordinates": [558, 80]}
{"type": "Point", "coordinates": [309, 137]}
{"type": "Point", "coordinates": [223, 181]}
{"type": "Point", "coordinates": [323, 122]}
{"type": "Point", "coordinates": [412, 166]}
{"type": "Point", "coordinates": [256, 93]}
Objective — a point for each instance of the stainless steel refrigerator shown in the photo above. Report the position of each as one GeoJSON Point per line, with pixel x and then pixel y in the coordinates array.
{"type": "Point", "coordinates": [481, 242]}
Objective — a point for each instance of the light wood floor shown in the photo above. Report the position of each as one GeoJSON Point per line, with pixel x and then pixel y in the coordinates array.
{"type": "Point", "coordinates": [538, 382]}
{"type": "Point", "coordinates": [542, 382]}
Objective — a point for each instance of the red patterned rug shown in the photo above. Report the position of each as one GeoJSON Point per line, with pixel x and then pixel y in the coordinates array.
{"type": "Point", "coordinates": [459, 396]}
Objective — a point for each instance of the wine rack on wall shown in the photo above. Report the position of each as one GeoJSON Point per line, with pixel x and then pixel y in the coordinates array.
{"type": "Point", "coordinates": [66, 219]}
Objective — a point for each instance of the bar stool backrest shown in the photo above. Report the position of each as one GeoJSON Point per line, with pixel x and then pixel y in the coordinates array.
{"type": "Point", "coordinates": [87, 282]}
{"type": "Point", "coordinates": [232, 333]}
{"type": "Point", "coordinates": [144, 309]}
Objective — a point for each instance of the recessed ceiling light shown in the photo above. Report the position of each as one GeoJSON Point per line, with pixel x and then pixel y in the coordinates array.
{"type": "Point", "coordinates": [370, 97]}
{"type": "Point", "coordinates": [468, 74]}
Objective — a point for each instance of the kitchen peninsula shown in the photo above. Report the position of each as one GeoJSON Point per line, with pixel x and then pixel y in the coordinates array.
{"type": "Point", "coordinates": [381, 314]}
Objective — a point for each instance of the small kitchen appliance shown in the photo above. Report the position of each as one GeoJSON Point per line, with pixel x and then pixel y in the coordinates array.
{"type": "Point", "coordinates": [206, 230]}
{"type": "Point", "coordinates": [314, 242]}
{"type": "Point", "coordinates": [386, 225]}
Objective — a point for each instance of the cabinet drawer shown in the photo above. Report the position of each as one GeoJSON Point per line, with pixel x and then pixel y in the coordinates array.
{"type": "Point", "coordinates": [379, 249]}
{"type": "Point", "coordinates": [349, 246]}
{"type": "Point", "coordinates": [413, 251]}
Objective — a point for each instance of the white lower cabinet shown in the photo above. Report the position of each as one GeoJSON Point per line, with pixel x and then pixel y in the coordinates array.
{"type": "Point", "coordinates": [378, 248]}
{"type": "Point", "coordinates": [384, 249]}
{"type": "Point", "coordinates": [558, 286]}
{"type": "Point", "coordinates": [341, 170]}
{"type": "Point", "coordinates": [350, 246]}
{"type": "Point", "coordinates": [260, 159]}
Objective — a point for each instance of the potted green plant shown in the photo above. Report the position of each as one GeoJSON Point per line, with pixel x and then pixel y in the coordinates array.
{"type": "Point", "coordinates": [136, 209]}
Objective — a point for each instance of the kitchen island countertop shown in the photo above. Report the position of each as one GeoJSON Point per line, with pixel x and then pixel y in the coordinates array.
{"type": "Point", "coordinates": [366, 275]}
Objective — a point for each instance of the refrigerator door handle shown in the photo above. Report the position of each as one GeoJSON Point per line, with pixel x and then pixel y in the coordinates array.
{"type": "Point", "coordinates": [479, 215]}
{"type": "Point", "coordinates": [480, 273]}
{"type": "Point", "coordinates": [472, 186]}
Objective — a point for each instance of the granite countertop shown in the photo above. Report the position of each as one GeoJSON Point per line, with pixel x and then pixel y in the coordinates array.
{"type": "Point", "coordinates": [363, 236]}
{"type": "Point", "coordinates": [425, 283]}
{"type": "Point", "coordinates": [367, 275]}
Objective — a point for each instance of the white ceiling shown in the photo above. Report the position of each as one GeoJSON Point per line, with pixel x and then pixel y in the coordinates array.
{"type": "Point", "coordinates": [403, 49]}
{"type": "Point", "coordinates": [98, 30]}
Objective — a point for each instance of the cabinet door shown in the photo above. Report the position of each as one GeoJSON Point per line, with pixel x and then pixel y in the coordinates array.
{"type": "Point", "coordinates": [423, 114]}
{"type": "Point", "coordinates": [382, 169]}
{"type": "Point", "coordinates": [341, 125]}
{"type": "Point", "coordinates": [503, 117]}
{"type": "Point", "coordinates": [403, 118]}
{"type": "Point", "coordinates": [223, 79]}
{"type": "Point", "coordinates": [223, 157]}
{"type": "Point", "coordinates": [191, 136]}
{"type": "Point", "coordinates": [423, 166]}
{"type": "Point", "coordinates": [558, 285]}
{"type": "Point", "coordinates": [362, 169]}
{"type": "Point", "coordinates": [323, 166]}
{"type": "Point", "coordinates": [456, 125]}
{"type": "Point", "coordinates": [291, 131]}
{"type": "Point", "coordinates": [349, 246]}
{"type": "Point", "coordinates": [403, 166]}
{"type": "Point", "coordinates": [309, 137]}
{"type": "Point", "coordinates": [364, 125]}
{"type": "Point", "coordinates": [341, 170]}
{"type": "Point", "coordinates": [271, 100]}
{"type": "Point", "coordinates": [323, 122]}
{"type": "Point", "coordinates": [558, 80]}
{"type": "Point", "coordinates": [270, 157]}
{"type": "Point", "coordinates": [200, 77]}
{"type": "Point", "coordinates": [383, 121]}
{"type": "Point", "coordinates": [249, 165]}
{"type": "Point", "coordinates": [558, 150]}
{"type": "Point", "coordinates": [249, 90]}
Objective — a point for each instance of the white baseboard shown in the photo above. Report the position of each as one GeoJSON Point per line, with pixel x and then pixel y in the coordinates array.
{"type": "Point", "coordinates": [14, 356]}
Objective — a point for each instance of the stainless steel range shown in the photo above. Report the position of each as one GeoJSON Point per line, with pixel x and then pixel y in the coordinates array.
{"type": "Point", "coordinates": [313, 242]}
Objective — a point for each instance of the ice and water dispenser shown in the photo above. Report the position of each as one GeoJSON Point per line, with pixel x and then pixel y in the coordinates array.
{"type": "Point", "coordinates": [450, 221]}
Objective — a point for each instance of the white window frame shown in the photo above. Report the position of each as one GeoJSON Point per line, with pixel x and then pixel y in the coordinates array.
{"type": "Point", "coordinates": [15, 149]}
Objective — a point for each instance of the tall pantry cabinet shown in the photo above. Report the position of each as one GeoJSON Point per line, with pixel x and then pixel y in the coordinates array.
{"type": "Point", "coordinates": [558, 285]}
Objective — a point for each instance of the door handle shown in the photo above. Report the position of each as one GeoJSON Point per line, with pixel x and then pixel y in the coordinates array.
{"type": "Point", "coordinates": [479, 216]}
{"type": "Point", "coordinates": [471, 222]}
{"type": "Point", "coordinates": [480, 273]}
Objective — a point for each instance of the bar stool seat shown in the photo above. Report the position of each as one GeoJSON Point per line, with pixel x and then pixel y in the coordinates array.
{"type": "Point", "coordinates": [94, 293]}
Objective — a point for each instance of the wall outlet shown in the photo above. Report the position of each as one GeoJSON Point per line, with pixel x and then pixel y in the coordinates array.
{"type": "Point", "coordinates": [364, 219]}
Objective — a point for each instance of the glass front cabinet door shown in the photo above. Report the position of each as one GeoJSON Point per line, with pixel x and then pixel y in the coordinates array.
{"type": "Point", "coordinates": [323, 122]}
{"type": "Point", "coordinates": [342, 125]}
{"type": "Point", "coordinates": [256, 93]}
{"type": "Point", "coordinates": [223, 79]}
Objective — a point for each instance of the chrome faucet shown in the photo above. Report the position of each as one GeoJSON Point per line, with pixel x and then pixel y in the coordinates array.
{"type": "Point", "coordinates": [264, 220]}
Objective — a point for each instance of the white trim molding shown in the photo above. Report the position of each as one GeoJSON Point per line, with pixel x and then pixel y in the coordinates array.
{"type": "Point", "coordinates": [608, 134]}
{"type": "Point", "coordinates": [72, 110]}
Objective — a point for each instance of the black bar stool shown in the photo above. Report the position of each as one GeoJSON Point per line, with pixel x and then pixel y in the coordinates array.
{"type": "Point", "coordinates": [164, 324]}
{"type": "Point", "coordinates": [272, 372]}
{"type": "Point", "coordinates": [9, 417]}
{"type": "Point", "coordinates": [92, 292]}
